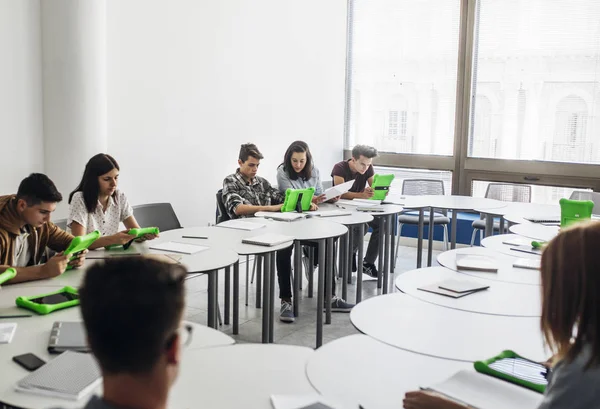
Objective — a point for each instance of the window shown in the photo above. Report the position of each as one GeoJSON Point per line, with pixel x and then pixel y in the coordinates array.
{"type": "Point", "coordinates": [539, 194]}
{"type": "Point", "coordinates": [403, 173]}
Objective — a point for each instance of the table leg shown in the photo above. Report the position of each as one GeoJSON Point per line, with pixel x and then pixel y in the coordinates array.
{"type": "Point", "coordinates": [311, 271]}
{"type": "Point", "coordinates": [430, 238]}
{"type": "Point", "coordinates": [329, 280]}
{"type": "Point", "coordinates": [272, 273]}
{"type": "Point", "coordinates": [381, 220]}
{"type": "Point", "coordinates": [349, 252]}
{"type": "Point", "coordinates": [489, 225]}
{"type": "Point", "coordinates": [212, 299]}
{"type": "Point", "coordinates": [247, 278]}
{"type": "Point", "coordinates": [344, 272]}
{"type": "Point", "coordinates": [297, 277]}
{"type": "Point", "coordinates": [227, 307]}
{"type": "Point", "coordinates": [393, 227]}
{"type": "Point", "coordinates": [453, 227]}
{"type": "Point", "coordinates": [359, 264]}
{"type": "Point", "coordinates": [420, 237]}
{"type": "Point", "coordinates": [236, 298]}
{"type": "Point", "coordinates": [386, 259]}
{"type": "Point", "coordinates": [258, 279]}
{"type": "Point", "coordinates": [320, 292]}
{"type": "Point", "coordinates": [266, 304]}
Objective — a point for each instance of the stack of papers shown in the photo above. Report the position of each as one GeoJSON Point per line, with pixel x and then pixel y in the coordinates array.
{"type": "Point", "coordinates": [71, 375]}
{"type": "Point", "coordinates": [281, 216]}
{"type": "Point", "coordinates": [268, 239]}
{"type": "Point", "coordinates": [454, 288]}
{"type": "Point", "coordinates": [476, 263]}
{"type": "Point", "coordinates": [241, 225]}
{"type": "Point", "coordinates": [177, 247]}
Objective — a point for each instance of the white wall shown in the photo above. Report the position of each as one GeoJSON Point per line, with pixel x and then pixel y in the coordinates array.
{"type": "Point", "coordinates": [21, 124]}
{"type": "Point", "coordinates": [189, 81]}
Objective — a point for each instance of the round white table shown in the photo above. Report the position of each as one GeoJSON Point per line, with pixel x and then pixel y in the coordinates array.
{"type": "Point", "coordinates": [517, 212]}
{"type": "Point", "coordinates": [500, 299]}
{"type": "Point", "coordinates": [240, 376]}
{"type": "Point", "coordinates": [535, 231]}
{"type": "Point", "coordinates": [32, 335]}
{"type": "Point", "coordinates": [411, 324]}
{"type": "Point", "coordinates": [392, 371]}
{"type": "Point", "coordinates": [498, 243]}
{"type": "Point", "coordinates": [506, 272]}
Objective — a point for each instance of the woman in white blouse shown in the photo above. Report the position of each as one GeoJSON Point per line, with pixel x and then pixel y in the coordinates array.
{"type": "Point", "coordinates": [97, 204]}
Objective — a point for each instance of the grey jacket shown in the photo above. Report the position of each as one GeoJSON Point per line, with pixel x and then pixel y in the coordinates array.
{"type": "Point", "coordinates": [284, 182]}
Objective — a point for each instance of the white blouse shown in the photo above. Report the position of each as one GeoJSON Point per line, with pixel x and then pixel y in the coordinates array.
{"type": "Point", "coordinates": [107, 222]}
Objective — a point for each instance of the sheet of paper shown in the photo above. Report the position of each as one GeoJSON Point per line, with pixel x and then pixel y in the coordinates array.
{"type": "Point", "coordinates": [177, 247]}
{"type": "Point", "coordinates": [241, 225]}
{"type": "Point", "coordinates": [338, 190]}
{"type": "Point", "coordinates": [7, 331]}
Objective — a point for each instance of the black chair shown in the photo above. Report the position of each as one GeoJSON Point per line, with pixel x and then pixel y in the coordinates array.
{"type": "Point", "coordinates": [159, 215]}
{"type": "Point", "coordinates": [222, 215]}
{"type": "Point", "coordinates": [61, 223]}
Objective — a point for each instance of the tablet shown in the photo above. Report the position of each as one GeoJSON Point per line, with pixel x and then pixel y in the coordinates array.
{"type": "Point", "coordinates": [515, 369]}
{"type": "Point", "coordinates": [80, 243]}
{"type": "Point", "coordinates": [381, 186]}
{"type": "Point", "coordinates": [298, 199]}
{"type": "Point", "coordinates": [8, 274]}
{"type": "Point", "coordinates": [46, 303]}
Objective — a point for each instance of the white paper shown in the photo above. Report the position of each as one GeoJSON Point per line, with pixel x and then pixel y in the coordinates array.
{"type": "Point", "coordinates": [330, 213]}
{"type": "Point", "coordinates": [338, 190]}
{"type": "Point", "coordinates": [241, 225]}
{"type": "Point", "coordinates": [281, 216]}
{"type": "Point", "coordinates": [309, 400]}
{"type": "Point", "coordinates": [7, 331]}
{"type": "Point", "coordinates": [359, 202]}
{"type": "Point", "coordinates": [529, 263]}
{"type": "Point", "coordinates": [177, 247]}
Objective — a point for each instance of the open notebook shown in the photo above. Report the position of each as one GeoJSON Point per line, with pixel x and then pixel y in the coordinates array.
{"type": "Point", "coordinates": [268, 239]}
{"type": "Point", "coordinates": [71, 375]}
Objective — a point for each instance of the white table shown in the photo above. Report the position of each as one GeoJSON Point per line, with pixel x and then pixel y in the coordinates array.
{"type": "Point", "coordinates": [240, 376]}
{"type": "Point", "coordinates": [516, 212]}
{"type": "Point", "coordinates": [411, 324]}
{"type": "Point", "coordinates": [506, 272]}
{"type": "Point", "coordinates": [32, 335]}
{"type": "Point", "coordinates": [496, 243]}
{"type": "Point", "coordinates": [384, 373]}
{"type": "Point", "coordinates": [535, 231]}
{"type": "Point", "coordinates": [500, 299]}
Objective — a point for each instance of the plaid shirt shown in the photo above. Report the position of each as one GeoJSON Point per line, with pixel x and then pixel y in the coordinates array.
{"type": "Point", "coordinates": [259, 192]}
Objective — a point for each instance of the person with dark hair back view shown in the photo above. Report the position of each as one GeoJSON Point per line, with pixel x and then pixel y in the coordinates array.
{"type": "Point", "coordinates": [97, 204]}
{"type": "Point", "coordinates": [570, 323]}
{"type": "Point", "coordinates": [360, 169]}
{"type": "Point", "coordinates": [26, 232]}
{"type": "Point", "coordinates": [139, 348]}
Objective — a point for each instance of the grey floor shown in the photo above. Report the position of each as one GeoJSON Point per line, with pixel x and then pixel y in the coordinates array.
{"type": "Point", "coordinates": [303, 331]}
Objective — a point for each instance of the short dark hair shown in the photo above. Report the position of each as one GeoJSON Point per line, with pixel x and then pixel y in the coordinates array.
{"type": "Point", "coordinates": [249, 149]}
{"type": "Point", "coordinates": [131, 308]}
{"type": "Point", "coordinates": [98, 165]}
{"type": "Point", "coordinates": [295, 147]}
{"type": "Point", "coordinates": [364, 150]}
{"type": "Point", "coordinates": [37, 188]}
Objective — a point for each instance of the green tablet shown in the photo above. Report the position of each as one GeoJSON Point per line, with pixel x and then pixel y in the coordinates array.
{"type": "Point", "coordinates": [513, 368]}
{"type": "Point", "coordinates": [46, 303]}
{"type": "Point", "coordinates": [381, 186]}
{"type": "Point", "coordinates": [8, 274]}
{"type": "Point", "coordinates": [136, 233]}
{"type": "Point", "coordinates": [80, 243]}
{"type": "Point", "coordinates": [574, 211]}
{"type": "Point", "coordinates": [298, 199]}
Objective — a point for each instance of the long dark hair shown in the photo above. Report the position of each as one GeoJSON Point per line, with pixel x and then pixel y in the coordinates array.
{"type": "Point", "coordinates": [298, 147]}
{"type": "Point", "coordinates": [99, 165]}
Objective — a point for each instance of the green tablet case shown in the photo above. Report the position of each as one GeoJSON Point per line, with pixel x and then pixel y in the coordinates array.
{"type": "Point", "coordinates": [484, 367]}
{"type": "Point", "coordinates": [44, 309]}
{"type": "Point", "coordinates": [8, 274]}
{"type": "Point", "coordinates": [291, 199]}
{"type": "Point", "coordinates": [137, 233]}
{"type": "Point", "coordinates": [573, 211]}
{"type": "Point", "coordinates": [81, 243]}
{"type": "Point", "coordinates": [381, 185]}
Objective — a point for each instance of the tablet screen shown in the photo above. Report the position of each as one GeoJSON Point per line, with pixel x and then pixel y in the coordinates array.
{"type": "Point", "coordinates": [58, 298]}
{"type": "Point", "coordinates": [523, 369]}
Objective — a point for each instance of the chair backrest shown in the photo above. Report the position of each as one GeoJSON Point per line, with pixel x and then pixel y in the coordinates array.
{"type": "Point", "coordinates": [509, 192]}
{"type": "Point", "coordinates": [584, 195]}
{"type": "Point", "coordinates": [61, 223]}
{"type": "Point", "coordinates": [159, 215]}
{"type": "Point", "coordinates": [573, 211]}
{"type": "Point", "coordinates": [327, 184]}
{"type": "Point", "coordinates": [222, 215]}
{"type": "Point", "coordinates": [414, 187]}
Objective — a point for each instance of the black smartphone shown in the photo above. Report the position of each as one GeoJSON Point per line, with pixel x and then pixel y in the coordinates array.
{"type": "Point", "coordinates": [29, 361]}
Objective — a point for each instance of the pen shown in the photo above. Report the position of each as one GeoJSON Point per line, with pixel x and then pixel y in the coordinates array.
{"type": "Point", "coordinates": [194, 237]}
{"type": "Point", "coordinates": [16, 316]}
{"type": "Point", "coordinates": [341, 207]}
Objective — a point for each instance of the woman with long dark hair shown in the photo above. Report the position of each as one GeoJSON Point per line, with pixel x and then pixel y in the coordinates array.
{"type": "Point", "coordinates": [97, 204]}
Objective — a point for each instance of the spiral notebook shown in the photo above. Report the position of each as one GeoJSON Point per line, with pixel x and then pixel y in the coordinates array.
{"type": "Point", "coordinates": [71, 375]}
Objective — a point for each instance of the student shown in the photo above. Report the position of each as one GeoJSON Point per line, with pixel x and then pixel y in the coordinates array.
{"type": "Point", "coordinates": [360, 169]}
{"type": "Point", "coordinates": [298, 172]}
{"type": "Point", "coordinates": [97, 204]}
{"type": "Point", "coordinates": [570, 323]}
{"type": "Point", "coordinates": [139, 348]}
{"type": "Point", "coordinates": [26, 232]}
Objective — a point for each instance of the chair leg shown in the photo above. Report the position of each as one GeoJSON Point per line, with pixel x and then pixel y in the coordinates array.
{"type": "Point", "coordinates": [473, 237]}
{"type": "Point", "coordinates": [253, 270]}
{"type": "Point", "coordinates": [397, 244]}
{"type": "Point", "coordinates": [219, 315]}
{"type": "Point", "coordinates": [446, 247]}
{"type": "Point", "coordinates": [247, 277]}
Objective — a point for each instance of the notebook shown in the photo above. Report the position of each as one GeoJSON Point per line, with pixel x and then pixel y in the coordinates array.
{"type": "Point", "coordinates": [177, 247]}
{"type": "Point", "coordinates": [528, 263]}
{"type": "Point", "coordinates": [330, 213]}
{"type": "Point", "coordinates": [283, 217]}
{"type": "Point", "coordinates": [543, 219]}
{"type": "Point", "coordinates": [376, 208]}
{"type": "Point", "coordinates": [486, 392]}
{"type": "Point", "coordinates": [71, 375]}
{"type": "Point", "coordinates": [241, 225]}
{"type": "Point", "coordinates": [267, 239]}
{"type": "Point", "coordinates": [67, 336]}
{"type": "Point", "coordinates": [359, 202]}
{"type": "Point", "coordinates": [462, 286]}
{"type": "Point", "coordinates": [476, 263]}
{"type": "Point", "coordinates": [306, 401]}
{"type": "Point", "coordinates": [7, 332]}
{"type": "Point", "coordinates": [517, 241]}
{"type": "Point", "coordinates": [527, 249]}
{"type": "Point", "coordinates": [435, 288]}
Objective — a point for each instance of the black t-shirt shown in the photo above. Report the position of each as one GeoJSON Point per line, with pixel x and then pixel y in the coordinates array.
{"type": "Point", "coordinates": [342, 169]}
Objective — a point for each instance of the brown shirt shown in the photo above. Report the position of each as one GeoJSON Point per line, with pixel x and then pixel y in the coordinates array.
{"type": "Point", "coordinates": [342, 169]}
